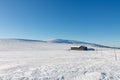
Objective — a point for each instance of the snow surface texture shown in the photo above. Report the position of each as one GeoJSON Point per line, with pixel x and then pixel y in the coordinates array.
{"type": "Point", "coordinates": [39, 60]}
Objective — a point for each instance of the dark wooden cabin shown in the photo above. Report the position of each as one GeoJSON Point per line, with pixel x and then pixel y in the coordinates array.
{"type": "Point", "coordinates": [84, 48]}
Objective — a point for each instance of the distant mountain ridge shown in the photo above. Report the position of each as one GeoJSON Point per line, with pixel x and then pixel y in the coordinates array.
{"type": "Point", "coordinates": [77, 42]}
{"type": "Point", "coordinates": [25, 40]}
{"type": "Point", "coordinates": [60, 41]}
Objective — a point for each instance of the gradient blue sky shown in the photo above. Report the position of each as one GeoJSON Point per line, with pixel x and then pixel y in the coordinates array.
{"type": "Point", "coordinates": [96, 21]}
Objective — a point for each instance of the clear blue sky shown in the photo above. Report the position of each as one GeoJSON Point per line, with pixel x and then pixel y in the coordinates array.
{"type": "Point", "coordinates": [85, 20]}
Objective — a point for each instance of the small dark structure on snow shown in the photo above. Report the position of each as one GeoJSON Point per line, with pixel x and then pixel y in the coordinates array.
{"type": "Point", "coordinates": [84, 48]}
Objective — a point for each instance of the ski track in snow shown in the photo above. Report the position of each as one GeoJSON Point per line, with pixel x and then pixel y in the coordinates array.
{"type": "Point", "coordinates": [58, 63]}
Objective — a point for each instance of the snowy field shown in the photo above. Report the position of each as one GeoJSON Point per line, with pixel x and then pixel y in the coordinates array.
{"type": "Point", "coordinates": [51, 61]}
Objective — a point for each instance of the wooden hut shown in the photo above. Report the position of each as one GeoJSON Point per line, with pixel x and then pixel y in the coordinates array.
{"type": "Point", "coordinates": [79, 48]}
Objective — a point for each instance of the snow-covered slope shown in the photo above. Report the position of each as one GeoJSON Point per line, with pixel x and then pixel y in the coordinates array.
{"type": "Point", "coordinates": [26, 44]}
{"type": "Point", "coordinates": [46, 60]}
{"type": "Point", "coordinates": [79, 42]}
{"type": "Point", "coordinates": [33, 45]}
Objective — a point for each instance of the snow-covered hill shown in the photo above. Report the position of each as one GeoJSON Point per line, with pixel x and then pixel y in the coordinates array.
{"type": "Point", "coordinates": [78, 42]}
{"type": "Point", "coordinates": [26, 44]}
{"type": "Point", "coordinates": [22, 59]}
{"type": "Point", "coordinates": [31, 45]}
